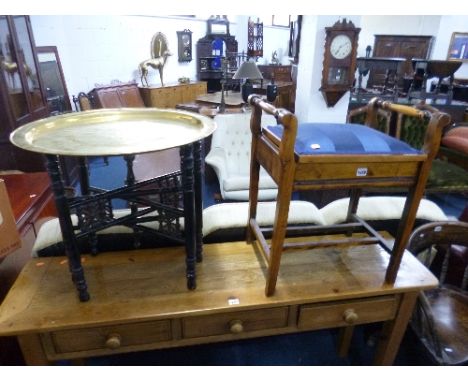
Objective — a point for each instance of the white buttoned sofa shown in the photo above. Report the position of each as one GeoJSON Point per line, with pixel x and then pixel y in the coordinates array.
{"type": "Point", "coordinates": [230, 157]}
{"type": "Point", "coordinates": [228, 222]}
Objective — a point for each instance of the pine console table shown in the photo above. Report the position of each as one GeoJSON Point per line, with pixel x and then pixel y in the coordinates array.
{"type": "Point", "coordinates": [140, 301]}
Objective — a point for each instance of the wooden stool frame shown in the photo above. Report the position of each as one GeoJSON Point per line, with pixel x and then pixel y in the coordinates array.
{"type": "Point", "coordinates": [294, 172]}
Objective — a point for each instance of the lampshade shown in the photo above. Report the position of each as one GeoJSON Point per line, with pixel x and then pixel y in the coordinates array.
{"type": "Point", "coordinates": [248, 70]}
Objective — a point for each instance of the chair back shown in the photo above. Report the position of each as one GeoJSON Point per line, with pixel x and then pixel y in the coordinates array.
{"type": "Point", "coordinates": [440, 317]}
{"type": "Point", "coordinates": [447, 234]}
{"type": "Point", "coordinates": [406, 123]}
{"type": "Point", "coordinates": [84, 102]}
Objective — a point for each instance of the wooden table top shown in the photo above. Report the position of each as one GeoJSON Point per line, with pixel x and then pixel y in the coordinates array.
{"type": "Point", "coordinates": [231, 98]}
{"type": "Point", "coordinates": [142, 285]}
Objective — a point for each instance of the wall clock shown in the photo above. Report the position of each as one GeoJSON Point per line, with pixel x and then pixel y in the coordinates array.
{"type": "Point", "coordinates": [339, 61]}
{"type": "Point", "coordinates": [184, 45]}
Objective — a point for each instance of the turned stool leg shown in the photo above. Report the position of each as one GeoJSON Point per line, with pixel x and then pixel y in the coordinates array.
{"type": "Point", "coordinates": [279, 232]}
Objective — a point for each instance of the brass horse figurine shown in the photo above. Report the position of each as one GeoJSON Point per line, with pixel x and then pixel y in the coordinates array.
{"type": "Point", "coordinates": [155, 63]}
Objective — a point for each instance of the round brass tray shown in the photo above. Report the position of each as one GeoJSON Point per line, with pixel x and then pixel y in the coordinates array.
{"type": "Point", "coordinates": [112, 132]}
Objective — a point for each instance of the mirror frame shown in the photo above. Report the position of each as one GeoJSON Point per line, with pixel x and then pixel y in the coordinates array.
{"type": "Point", "coordinates": [53, 49]}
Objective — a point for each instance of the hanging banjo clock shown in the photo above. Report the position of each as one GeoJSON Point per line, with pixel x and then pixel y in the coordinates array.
{"type": "Point", "coordinates": [339, 61]}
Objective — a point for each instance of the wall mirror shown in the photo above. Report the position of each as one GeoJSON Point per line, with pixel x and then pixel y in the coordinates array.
{"type": "Point", "coordinates": [159, 45]}
{"type": "Point", "coordinates": [54, 80]}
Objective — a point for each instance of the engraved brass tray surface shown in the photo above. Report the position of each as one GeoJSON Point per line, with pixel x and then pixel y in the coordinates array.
{"type": "Point", "coordinates": [112, 132]}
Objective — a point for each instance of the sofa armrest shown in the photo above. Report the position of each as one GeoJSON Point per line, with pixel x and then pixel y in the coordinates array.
{"type": "Point", "coordinates": [217, 159]}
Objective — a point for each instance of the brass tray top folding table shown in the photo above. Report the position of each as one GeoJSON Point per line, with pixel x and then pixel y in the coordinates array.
{"type": "Point", "coordinates": [164, 200]}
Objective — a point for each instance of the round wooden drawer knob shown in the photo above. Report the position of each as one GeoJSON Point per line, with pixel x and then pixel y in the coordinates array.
{"type": "Point", "coordinates": [113, 341]}
{"type": "Point", "coordinates": [350, 316]}
{"type": "Point", "coordinates": [236, 326]}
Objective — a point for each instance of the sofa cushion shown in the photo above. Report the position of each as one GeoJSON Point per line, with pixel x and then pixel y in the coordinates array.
{"type": "Point", "coordinates": [457, 139]}
{"type": "Point", "coordinates": [380, 208]}
{"type": "Point", "coordinates": [239, 182]}
{"type": "Point", "coordinates": [234, 215]}
{"type": "Point", "coordinates": [219, 221]}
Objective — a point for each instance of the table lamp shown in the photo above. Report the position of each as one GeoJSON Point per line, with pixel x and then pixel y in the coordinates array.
{"type": "Point", "coordinates": [248, 71]}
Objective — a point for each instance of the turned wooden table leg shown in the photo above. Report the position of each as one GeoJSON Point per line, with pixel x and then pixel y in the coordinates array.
{"type": "Point", "coordinates": [69, 239]}
{"type": "Point", "coordinates": [198, 184]}
{"type": "Point", "coordinates": [393, 331]}
{"type": "Point", "coordinates": [189, 213]}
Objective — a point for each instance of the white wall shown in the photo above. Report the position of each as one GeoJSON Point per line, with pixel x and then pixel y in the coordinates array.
{"type": "Point", "coordinates": [99, 49]}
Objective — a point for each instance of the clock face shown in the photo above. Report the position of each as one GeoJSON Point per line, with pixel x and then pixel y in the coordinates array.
{"type": "Point", "coordinates": [341, 46]}
{"type": "Point", "coordinates": [185, 40]}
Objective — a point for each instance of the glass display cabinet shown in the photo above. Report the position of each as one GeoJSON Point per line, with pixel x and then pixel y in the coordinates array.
{"type": "Point", "coordinates": [22, 94]}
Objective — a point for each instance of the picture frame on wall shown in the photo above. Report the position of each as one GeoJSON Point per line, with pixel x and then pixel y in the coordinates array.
{"type": "Point", "coordinates": [281, 20]}
{"type": "Point", "coordinates": [458, 48]}
{"type": "Point", "coordinates": [295, 39]}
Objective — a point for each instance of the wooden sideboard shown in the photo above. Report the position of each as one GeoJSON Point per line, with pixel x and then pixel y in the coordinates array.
{"type": "Point", "coordinates": [286, 94]}
{"type": "Point", "coordinates": [170, 95]}
{"type": "Point", "coordinates": [32, 202]}
{"type": "Point", "coordinates": [282, 76]}
{"type": "Point", "coordinates": [402, 46]}
{"type": "Point", "coordinates": [278, 72]}
{"type": "Point", "coordinates": [31, 199]}
{"type": "Point", "coordinates": [142, 302]}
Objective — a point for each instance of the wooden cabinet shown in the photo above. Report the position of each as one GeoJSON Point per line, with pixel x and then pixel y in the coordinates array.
{"type": "Point", "coordinates": [286, 87]}
{"type": "Point", "coordinates": [32, 202]}
{"type": "Point", "coordinates": [209, 53]}
{"type": "Point", "coordinates": [399, 46]}
{"type": "Point", "coordinates": [115, 96]}
{"type": "Point", "coordinates": [170, 96]}
{"type": "Point", "coordinates": [22, 96]}
{"type": "Point", "coordinates": [278, 72]}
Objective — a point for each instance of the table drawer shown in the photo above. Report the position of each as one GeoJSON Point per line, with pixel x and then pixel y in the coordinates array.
{"type": "Point", "coordinates": [111, 337]}
{"type": "Point", "coordinates": [234, 323]}
{"type": "Point", "coordinates": [335, 314]}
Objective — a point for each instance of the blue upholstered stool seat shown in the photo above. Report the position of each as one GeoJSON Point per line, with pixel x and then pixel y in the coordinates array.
{"type": "Point", "coordinates": [342, 138]}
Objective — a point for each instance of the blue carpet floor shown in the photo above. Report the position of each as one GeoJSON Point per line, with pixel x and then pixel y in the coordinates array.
{"type": "Point", "coordinates": [308, 348]}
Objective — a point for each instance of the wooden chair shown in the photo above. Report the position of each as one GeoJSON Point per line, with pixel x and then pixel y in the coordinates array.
{"type": "Point", "coordinates": [440, 318]}
{"type": "Point", "coordinates": [449, 169]}
{"type": "Point", "coordinates": [305, 157]}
